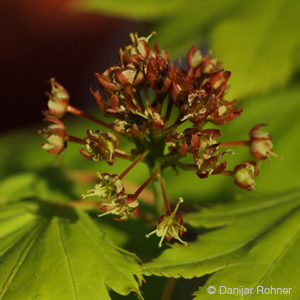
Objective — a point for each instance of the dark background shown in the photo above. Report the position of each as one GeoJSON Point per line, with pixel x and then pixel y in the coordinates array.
{"type": "Point", "coordinates": [42, 39]}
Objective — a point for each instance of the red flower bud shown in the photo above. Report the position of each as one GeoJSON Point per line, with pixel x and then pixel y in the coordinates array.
{"type": "Point", "coordinates": [244, 174]}
{"type": "Point", "coordinates": [260, 143]}
{"type": "Point", "coordinates": [58, 100]}
{"type": "Point", "coordinates": [56, 136]}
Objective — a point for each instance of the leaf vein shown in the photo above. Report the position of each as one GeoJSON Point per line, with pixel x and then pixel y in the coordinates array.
{"type": "Point", "coordinates": [20, 261]}
{"type": "Point", "coordinates": [64, 246]}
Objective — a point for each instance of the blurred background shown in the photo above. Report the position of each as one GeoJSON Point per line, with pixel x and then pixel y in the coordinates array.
{"type": "Point", "coordinates": [42, 39]}
{"type": "Point", "coordinates": [258, 41]}
{"type": "Point", "coordinates": [72, 39]}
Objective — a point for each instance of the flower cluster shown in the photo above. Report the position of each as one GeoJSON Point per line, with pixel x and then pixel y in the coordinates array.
{"type": "Point", "coordinates": [111, 192]}
{"type": "Point", "coordinates": [164, 109]}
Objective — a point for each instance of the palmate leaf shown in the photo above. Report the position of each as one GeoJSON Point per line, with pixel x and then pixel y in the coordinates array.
{"type": "Point", "coordinates": [48, 251]}
{"type": "Point", "coordinates": [251, 241]}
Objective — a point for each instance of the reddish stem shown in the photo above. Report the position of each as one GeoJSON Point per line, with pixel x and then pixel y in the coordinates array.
{"type": "Point", "coordinates": [234, 143]}
{"type": "Point", "coordinates": [227, 173]}
{"type": "Point", "coordinates": [75, 111]}
{"type": "Point", "coordinates": [75, 140]}
{"type": "Point", "coordinates": [163, 190]}
{"type": "Point", "coordinates": [141, 188]}
{"type": "Point", "coordinates": [139, 158]}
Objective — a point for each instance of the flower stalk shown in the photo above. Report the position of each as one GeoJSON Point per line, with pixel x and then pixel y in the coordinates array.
{"type": "Point", "coordinates": [234, 143]}
{"type": "Point", "coordinates": [77, 112]}
{"type": "Point", "coordinates": [142, 187]}
{"type": "Point", "coordinates": [138, 159]}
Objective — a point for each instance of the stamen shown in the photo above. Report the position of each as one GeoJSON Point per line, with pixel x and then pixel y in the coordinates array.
{"type": "Point", "coordinates": [108, 212]}
{"type": "Point", "coordinates": [149, 234]}
{"type": "Point", "coordinates": [176, 207]}
{"type": "Point", "coordinates": [163, 237]}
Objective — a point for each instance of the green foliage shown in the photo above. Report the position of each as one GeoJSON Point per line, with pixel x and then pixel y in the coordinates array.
{"type": "Point", "coordinates": [256, 40]}
{"type": "Point", "coordinates": [55, 252]}
{"type": "Point", "coordinates": [254, 241]}
{"type": "Point", "coordinates": [48, 184]}
{"type": "Point", "coordinates": [259, 53]}
{"type": "Point", "coordinates": [51, 244]}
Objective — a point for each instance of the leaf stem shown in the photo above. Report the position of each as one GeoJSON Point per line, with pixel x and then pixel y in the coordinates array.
{"type": "Point", "coordinates": [169, 289]}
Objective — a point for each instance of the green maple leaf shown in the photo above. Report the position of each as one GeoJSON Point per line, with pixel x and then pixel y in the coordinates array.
{"type": "Point", "coordinates": [50, 251]}
{"type": "Point", "coordinates": [254, 241]}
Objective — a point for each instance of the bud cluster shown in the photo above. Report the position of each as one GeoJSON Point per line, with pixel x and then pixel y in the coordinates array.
{"type": "Point", "coordinates": [149, 98]}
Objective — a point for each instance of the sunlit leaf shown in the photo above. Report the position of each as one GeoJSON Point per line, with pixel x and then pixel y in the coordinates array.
{"type": "Point", "coordinates": [254, 241]}
{"type": "Point", "coordinates": [54, 252]}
